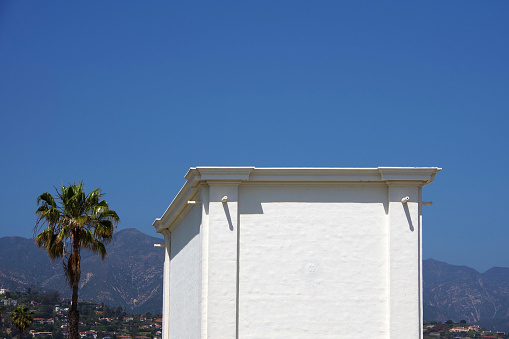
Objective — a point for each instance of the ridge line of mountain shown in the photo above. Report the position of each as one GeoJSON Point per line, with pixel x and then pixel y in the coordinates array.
{"type": "Point", "coordinates": [130, 276]}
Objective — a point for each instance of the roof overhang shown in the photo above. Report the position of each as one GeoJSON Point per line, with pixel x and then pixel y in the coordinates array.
{"type": "Point", "coordinates": [197, 176]}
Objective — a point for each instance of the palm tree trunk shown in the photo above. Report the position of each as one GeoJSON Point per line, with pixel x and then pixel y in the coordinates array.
{"type": "Point", "coordinates": [73, 316]}
{"type": "Point", "coordinates": [74, 265]}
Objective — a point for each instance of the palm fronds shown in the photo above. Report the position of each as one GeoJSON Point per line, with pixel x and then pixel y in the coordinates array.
{"type": "Point", "coordinates": [69, 222]}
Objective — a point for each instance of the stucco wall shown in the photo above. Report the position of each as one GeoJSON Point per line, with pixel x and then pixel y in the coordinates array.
{"type": "Point", "coordinates": [185, 277]}
{"type": "Point", "coordinates": [295, 253]}
{"type": "Point", "coordinates": [313, 261]}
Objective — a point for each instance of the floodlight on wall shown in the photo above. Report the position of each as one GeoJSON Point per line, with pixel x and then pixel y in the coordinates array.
{"type": "Point", "coordinates": [405, 199]}
{"type": "Point", "coordinates": [224, 199]}
{"type": "Point", "coordinates": [192, 202]}
{"type": "Point", "coordinates": [159, 245]}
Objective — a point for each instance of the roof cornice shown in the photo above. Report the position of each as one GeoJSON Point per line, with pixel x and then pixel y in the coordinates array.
{"type": "Point", "coordinates": [197, 176]}
{"type": "Point", "coordinates": [424, 174]}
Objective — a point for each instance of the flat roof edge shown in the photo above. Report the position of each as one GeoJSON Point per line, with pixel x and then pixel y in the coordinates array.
{"type": "Point", "coordinates": [203, 174]}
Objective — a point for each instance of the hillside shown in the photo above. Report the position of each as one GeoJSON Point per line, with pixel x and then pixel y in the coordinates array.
{"type": "Point", "coordinates": [462, 293]}
{"type": "Point", "coordinates": [131, 276]}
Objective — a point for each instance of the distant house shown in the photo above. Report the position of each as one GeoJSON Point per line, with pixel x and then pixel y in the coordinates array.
{"type": "Point", "coordinates": [474, 328]}
{"type": "Point", "coordinates": [9, 302]}
{"type": "Point", "coordinates": [295, 253]}
{"type": "Point", "coordinates": [459, 329]}
{"type": "Point", "coordinates": [88, 334]}
{"type": "Point", "coordinates": [40, 334]}
{"type": "Point", "coordinates": [38, 320]}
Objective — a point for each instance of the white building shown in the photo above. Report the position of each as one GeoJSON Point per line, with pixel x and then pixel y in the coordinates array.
{"type": "Point", "coordinates": [294, 253]}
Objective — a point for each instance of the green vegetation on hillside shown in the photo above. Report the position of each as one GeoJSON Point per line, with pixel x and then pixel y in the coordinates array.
{"type": "Point", "coordinates": [96, 321]}
{"type": "Point", "coordinates": [450, 330]}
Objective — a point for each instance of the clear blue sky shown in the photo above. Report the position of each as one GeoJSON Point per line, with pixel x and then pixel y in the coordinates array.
{"type": "Point", "coordinates": [127, 95]}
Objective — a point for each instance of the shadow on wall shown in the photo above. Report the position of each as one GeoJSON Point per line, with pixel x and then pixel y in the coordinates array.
{"type": "Point", "coordinates": [228, 216]}
{"type": "Point", "coordinates": [251, 198]}
{"type": "Point", "coordinates": [188, 229]}
{"type": "Point", "coordinates": [408, 217]}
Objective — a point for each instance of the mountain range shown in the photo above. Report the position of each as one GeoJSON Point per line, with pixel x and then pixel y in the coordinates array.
{"type": "Point", "coordinates": [462, 293]}
{"type": "Point", "coordinates": [131, 276]}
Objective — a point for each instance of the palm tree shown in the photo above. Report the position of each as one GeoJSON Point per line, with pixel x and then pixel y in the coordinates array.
{"type": "Point", "coordinates": [21, 319]}
{"type": "Point", "coordinates": [76, 221]}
